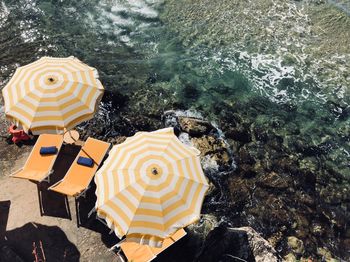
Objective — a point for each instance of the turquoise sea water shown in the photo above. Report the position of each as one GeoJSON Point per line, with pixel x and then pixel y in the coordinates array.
{"type": "Point", "coordinates": [284, 64]}
{"type": "Point", "coordinates": [203, 55]}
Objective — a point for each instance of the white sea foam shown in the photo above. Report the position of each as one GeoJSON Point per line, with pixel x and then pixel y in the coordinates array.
{"type": "Point", "coordinates": [189, 113]}
{"type": "Point", "coordinates": [124, 19]}
{"type": "Point", "coordinates": [143, 8]}
{"type": "Point", "coordinates": [282, 56]}
{"type": "Point", "coordinates": [29, 32]}
{"type": "Point", "coordinates": [4, 12]}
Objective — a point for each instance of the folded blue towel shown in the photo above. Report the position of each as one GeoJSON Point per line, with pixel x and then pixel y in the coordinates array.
{"type": "Point", "coordinates": [48, 150]}
{"type": "Point", "coordinates": [85, 161]}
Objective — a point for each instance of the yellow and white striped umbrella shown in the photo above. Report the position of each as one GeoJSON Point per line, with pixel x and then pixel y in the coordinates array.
{"type": "Point", "coordinates": [51, 94]}
{"type": "Point", "coordinates": [150, 186]}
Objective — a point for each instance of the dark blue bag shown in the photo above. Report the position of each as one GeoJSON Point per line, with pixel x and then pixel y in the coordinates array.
{"type": "Point", "coordinates": [85, 161]}
{"type": "Point", "coordinates": [48, 150]}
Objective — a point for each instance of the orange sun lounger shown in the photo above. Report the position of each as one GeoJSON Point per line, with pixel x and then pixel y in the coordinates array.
{"type": "Point", "coordinates": [144, 253]}
{"type": "Point", "coordinates": [39, 167]}
{"type": "Point", "coordinates": [78, 177]}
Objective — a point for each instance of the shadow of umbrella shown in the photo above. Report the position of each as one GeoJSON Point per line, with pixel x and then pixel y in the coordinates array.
{"type": "Point", "coordinates": [52, 203]}
{"type": "Point", "coordinates": [54, 241]}
{"type": "Point", "coordinates": [91, 223]}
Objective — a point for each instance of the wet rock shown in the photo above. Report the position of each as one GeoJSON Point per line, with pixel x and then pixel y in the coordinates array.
{"type": "Point", "coordinates": [331, 196]}
{"type": "Point", "coordinates": [275, 142]}
{"type": "Point", "coordinates": [246, 171]}
{"type": "Point", "coordinates": [296, 245]}
{"type": "Point", "coordinates": [240, 190]}
{"type": "Point", "coordinates": [346, 243]}
{"type": "Point", "coordinates": [198, 231]}
{"type": "Point", "coordinates": [229, 120]}
{"type": "Point", "coordinates": [317, 229]}
{"type": "Point", "coordinates": [116, 140]}
{"type": "Point", "coordinates": [309, 163]}
{"type": "Point", "coordinates": [286, 164]}
{"type": "Point", "coordinates": [305, 198]}
{"type": "Point", "coordinates": [303, 146]}
{"type": "Point", "coordinates": [274, 180]}
{"type": "Point", "coordinates": [245, 243]}
{"type": "Point", "coordinates": [335, 216]}
{"type": "Point", "coordinates": [213, 147]}
{"type": "Point", "coordinates": [143, 123]}
{"type": "Point", "coordinates": [113, 100]}
{"type": "Point", "coordinates": [325, 254]}
{"type": "Point", "coordinates": [195, 127]}
{"type": "Point", "coordinates": [208, 144]}
{"type": "Point", "coordinates": [170, 119]}
{"type": "Point", "coordinates": [269, 213]}
{"type": "Point", "coordinates": [222, 158]}
{"type": "Point", "coordinates": [211, 189]}
{"type": "Point", "coordinates": [240, 134]}
{"type": "Point", "coordinates": [260, 133]}
{"type": "Point", "coordinates": [290, 258]}
{"type": "Point", "coordinates": [302, 225]}
{"type": "Point", "coordinates": [245, 156]}
{"type": "Point", "coordinates": [275, 239]}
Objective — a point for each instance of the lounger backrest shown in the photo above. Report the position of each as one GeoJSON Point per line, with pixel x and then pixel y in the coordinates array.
{"type": "Point", "coordinates": [169, 241]}
{"type": "Point", "coordinates": [137, 253]}
{"type": "Point", "coordinates": [39, 162]}
{"type": "Point", "coordinates": [140, 253]}
{"type": "Point", "coordinates": [82, 175]}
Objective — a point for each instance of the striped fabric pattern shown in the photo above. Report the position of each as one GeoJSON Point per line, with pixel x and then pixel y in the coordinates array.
{"type": "Point", "coordinates": [150, 186]}
{"type": "Point", "coordinates": [51, 94]}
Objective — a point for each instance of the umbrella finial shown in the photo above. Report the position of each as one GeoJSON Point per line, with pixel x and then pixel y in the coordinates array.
{"type": "Point", "coordinates": [154, 171]}
{"type": "Point", "coordinates": [50, 80]}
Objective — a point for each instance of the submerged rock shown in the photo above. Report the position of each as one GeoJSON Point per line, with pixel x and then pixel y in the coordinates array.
{"type": "Point", "coordinates": [274, 180]}
{"type": "Point", "coordinates": [296, 245]}
{"type": "Point", "coordinates": [239, 134]}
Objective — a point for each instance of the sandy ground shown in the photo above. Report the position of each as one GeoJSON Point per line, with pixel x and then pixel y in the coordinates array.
{"type": "Point", "coordinates": [21, 223]}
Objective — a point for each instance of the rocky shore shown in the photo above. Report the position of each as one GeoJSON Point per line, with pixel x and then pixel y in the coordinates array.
{"type": "Point", "coordinates": [283, 188]}
{"type": "Point", "coordinates": [278, 186]}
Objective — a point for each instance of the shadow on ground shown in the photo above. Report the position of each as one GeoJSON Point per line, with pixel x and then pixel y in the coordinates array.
{"type": "Point", "coordinates": [85, 206]}
{"type": "Point", "coordinates": [54, 241]}
{"type": "Point", "coordinates": [57, 205]}
{"type": "Point", "coordinates": [4, 214]}
{"type": "Point", "coordinates": [53, 203]}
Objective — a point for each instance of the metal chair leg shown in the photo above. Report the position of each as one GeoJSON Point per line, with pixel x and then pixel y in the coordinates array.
{"type": "Point", "coordinates": [77, 211]}
{"type": "Point", "coordinates": [40, 200]}
{"type": "Point", "coordinates": [67, 206]}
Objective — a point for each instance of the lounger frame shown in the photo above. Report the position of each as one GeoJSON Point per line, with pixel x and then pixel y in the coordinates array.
{"type": "Point", "coordinates": [82, 193]}
{"type": "Point", "coordinates": [50, 172]}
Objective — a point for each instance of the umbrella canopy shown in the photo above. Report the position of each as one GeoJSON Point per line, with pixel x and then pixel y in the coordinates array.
{"type": "Point", "coordinates": [150, 186]}
{"type": "Point", "coordinates": [52, 94]}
